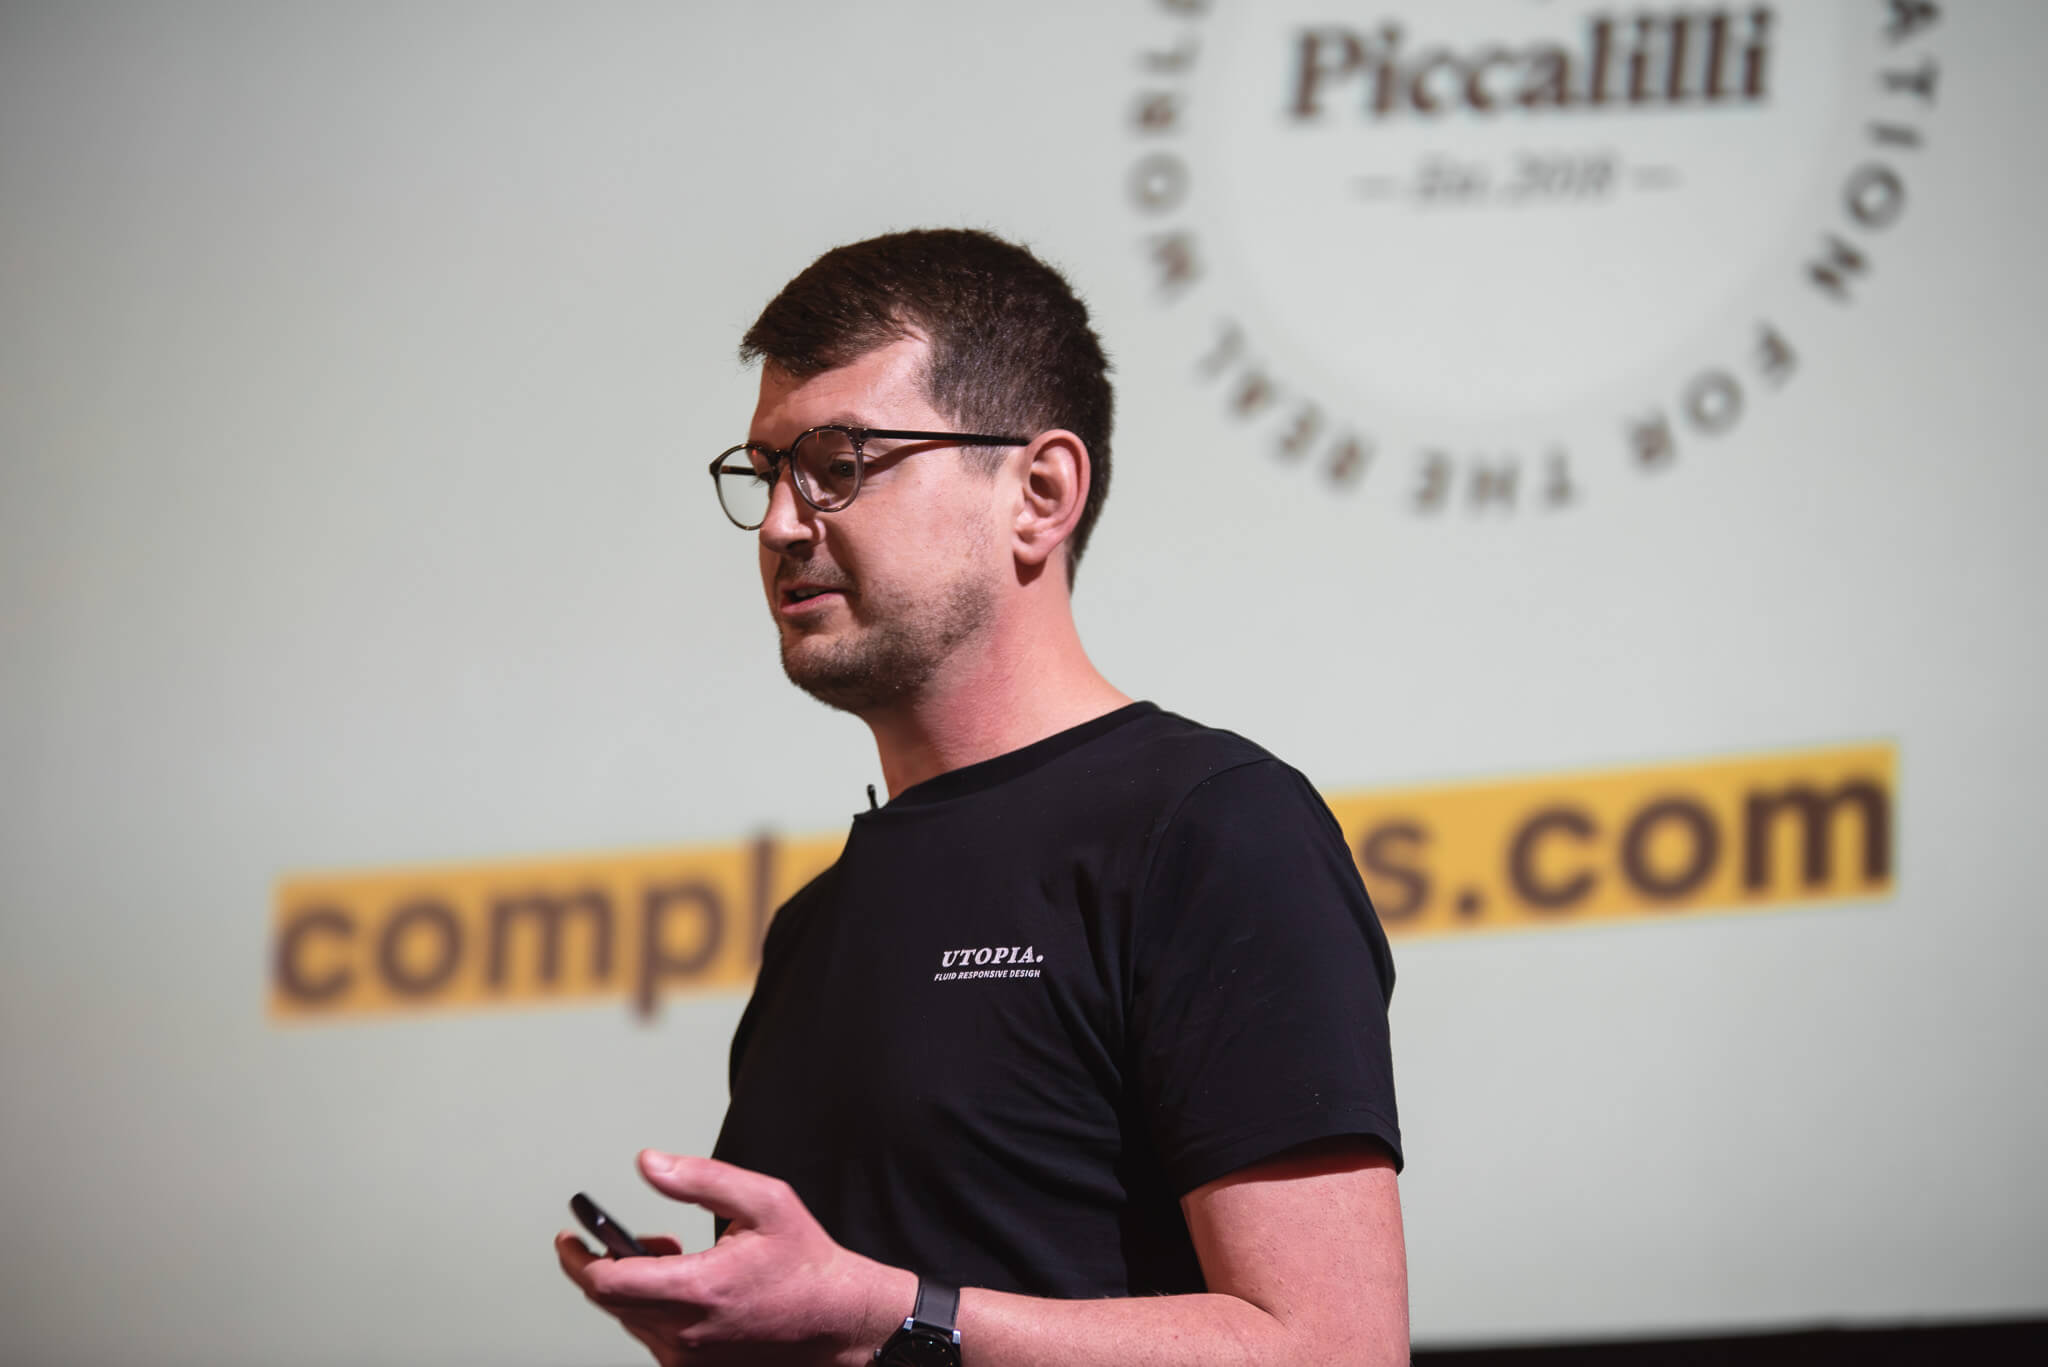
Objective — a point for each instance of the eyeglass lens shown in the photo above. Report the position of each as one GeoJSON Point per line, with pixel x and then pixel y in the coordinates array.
{"type": "Point", "coordinates": [826, 469]}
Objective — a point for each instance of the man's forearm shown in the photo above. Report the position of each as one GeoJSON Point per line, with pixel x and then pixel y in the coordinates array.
{"type": "Point", "coordinates": [999, 1329]}
{"type": "Point", "coordinates": [1206, 1330]}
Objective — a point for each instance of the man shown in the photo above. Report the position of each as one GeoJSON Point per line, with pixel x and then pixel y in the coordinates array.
{"type": "Point", "coordinates": [1089, 1019]}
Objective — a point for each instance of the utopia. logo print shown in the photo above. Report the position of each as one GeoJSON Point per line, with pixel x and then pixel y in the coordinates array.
{"type": "Point", "coordinates": [978, 962]}
{"type": "Point", "coordinates": [1495, 255]}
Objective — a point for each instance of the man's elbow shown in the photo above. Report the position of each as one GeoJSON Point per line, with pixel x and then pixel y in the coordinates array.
{"type": "Point", "coordinates": [1374, 1333]}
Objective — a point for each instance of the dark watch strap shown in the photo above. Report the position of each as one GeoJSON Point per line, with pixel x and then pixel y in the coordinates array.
{"type": "Point", "coordinates": [937, 1305]}
{"type": "Point", "coordinates": [927, 1338]}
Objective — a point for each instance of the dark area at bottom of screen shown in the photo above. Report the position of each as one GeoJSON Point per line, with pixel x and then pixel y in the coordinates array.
{"type": "Point", "coordinates": [1974, 1341]}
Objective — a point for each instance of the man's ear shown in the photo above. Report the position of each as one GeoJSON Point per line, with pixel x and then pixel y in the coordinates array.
{"type": "Point", "coordinates": [1053, 491]}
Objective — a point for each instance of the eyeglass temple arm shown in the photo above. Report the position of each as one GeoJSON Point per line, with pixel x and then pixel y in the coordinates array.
{"type": "Point", "coordinates": [965, 438]}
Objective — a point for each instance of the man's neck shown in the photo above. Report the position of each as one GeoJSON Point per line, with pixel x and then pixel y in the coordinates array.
{"type": "Point", "coordinates": [1017, 688]}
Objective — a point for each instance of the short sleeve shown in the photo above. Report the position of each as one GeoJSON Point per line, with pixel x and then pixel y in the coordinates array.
{"type": "Point", "coordinates": [1260, 979]}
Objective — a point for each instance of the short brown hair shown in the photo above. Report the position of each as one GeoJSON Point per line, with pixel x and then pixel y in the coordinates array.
{"type": "Point", "coordinates": [1011, 347]}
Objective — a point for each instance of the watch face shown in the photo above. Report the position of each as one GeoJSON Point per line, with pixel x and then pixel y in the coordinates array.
{"type": "Point", "coordinates": [913, 1348]}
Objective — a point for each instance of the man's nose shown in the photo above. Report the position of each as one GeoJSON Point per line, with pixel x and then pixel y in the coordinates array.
{"type": "Point", "coordinates": [790, 521]}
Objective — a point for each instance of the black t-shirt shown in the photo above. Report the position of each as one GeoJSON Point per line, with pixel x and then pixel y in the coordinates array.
{"type": "Point", "coordinates": [1038, 999]}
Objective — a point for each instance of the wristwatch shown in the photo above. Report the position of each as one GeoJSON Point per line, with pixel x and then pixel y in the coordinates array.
{"type": "Point", "coordinates": [927, 1338]}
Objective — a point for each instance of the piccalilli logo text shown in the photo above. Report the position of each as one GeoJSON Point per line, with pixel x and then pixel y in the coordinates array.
{"type": "Point", "coordinates": [1489, 258]}
{"type": "Point", "coordinates": [1682, 58]}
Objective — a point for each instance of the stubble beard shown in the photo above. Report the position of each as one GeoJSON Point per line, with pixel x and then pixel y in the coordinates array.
{"type": "Point", "coordinates": [895, 660]}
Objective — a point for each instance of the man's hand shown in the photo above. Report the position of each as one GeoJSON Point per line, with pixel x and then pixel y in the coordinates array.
{"type": "Point", "coordinates": [775, 1288]}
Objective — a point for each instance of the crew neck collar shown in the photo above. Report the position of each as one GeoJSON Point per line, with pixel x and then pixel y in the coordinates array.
{"type": "Point", "coordinates": [989, 773]}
